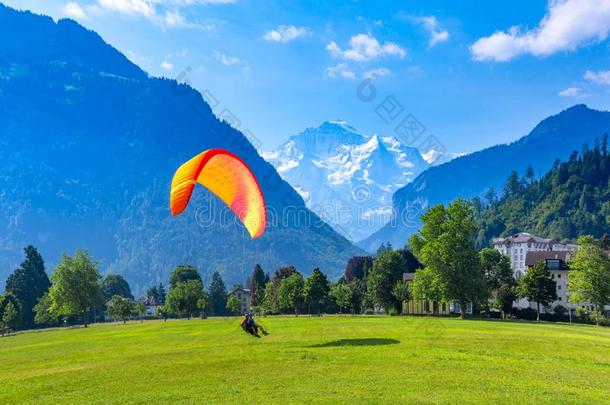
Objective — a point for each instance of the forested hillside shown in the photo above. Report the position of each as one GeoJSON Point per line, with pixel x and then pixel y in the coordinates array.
{"type": "Point", "coordinates": [572, 199]}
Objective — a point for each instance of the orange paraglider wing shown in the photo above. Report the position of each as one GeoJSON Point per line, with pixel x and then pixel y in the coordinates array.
{"type": "Point", "coordinates": [230, 179]}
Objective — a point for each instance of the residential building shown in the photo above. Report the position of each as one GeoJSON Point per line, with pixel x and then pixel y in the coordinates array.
{"type": "Point", "coordinates": [517, 247]}
{"type": "Point", "coordinates": [244, 296]}
{"type": "Point", "coordinates": [557, 264]}
{"type": "Point", "coordinates": [151, 304]}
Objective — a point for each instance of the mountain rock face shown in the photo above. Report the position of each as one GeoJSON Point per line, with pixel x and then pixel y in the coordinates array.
{"type": "Point", "coordinates": [472, 175]}
{"type": "Point", "coordinates": [345, 177]}
{"type": "Point", "coordinates": [88, 146]}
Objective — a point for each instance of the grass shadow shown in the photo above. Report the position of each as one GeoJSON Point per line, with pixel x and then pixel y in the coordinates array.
{"type": "Point", "coordinates": [357, 342]}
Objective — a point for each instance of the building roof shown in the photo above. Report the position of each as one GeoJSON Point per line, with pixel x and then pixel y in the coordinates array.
{"type": "Point", "coordinates": [536, 257]}
{"type": "Point", "coordinates": [408, 276]}
{"type": "Point", "coordinates": [246, 290]}
{"type": "Point", "coordinates": [522, 237]}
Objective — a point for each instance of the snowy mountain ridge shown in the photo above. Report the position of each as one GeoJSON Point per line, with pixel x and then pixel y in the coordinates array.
{"type": "Point", "coordinates": [346, 177]}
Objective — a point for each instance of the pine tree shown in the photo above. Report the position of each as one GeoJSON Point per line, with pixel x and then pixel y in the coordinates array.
{"type": "Point", "coordinates": [28, 284]}
{"type": "Point", "coordinates": [218, 295]}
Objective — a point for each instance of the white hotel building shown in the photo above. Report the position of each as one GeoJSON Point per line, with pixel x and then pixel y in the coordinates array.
{"type": "Point", "coordinates": [517, 246]}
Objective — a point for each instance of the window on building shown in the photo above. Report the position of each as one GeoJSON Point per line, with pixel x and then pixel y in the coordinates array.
{"type": "Point", "coordinates": [553, 264]}
{"type": "Point", "coordinates": [559, 287]}
{"type": "Point", "coordinates": [559, 276]}
{"type": "Point", "coordinates": [559, 298]}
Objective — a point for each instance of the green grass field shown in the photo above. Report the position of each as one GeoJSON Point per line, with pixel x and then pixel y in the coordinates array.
{"type": "Point", "coordinates": [328, 360]}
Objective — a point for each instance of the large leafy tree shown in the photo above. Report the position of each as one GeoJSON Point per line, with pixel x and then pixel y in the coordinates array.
{"type": "Point", "coordinates": [115, 284]}
{"type": "Point", "coordinates": [341, 294]}
{"type": "Point", "coordinates": [496, 268]}
{"type": "Point", "coordinates": [182, 273]}
{"type": "Point", "coordinates": [357, 268]}
{"type": "Point", "coordinates": [505, 297]}
{"type": "Point", "coordinates": [185, 298]}
{"type": "Point", "coordinates": [445, 244]}
{"type": "Point", "coordinates": [387, 270]}
{"type": "Point", "coordinates": [537, 286]}
{"type": "Point", "coordinates": [218, 295]}
{"type": "Point", "coordinates": [290, 293]}
{"type": "Point", "coordinates": [589, 276]}
{"type": "Point", "coordinates": [233, 304]}
{"type": "Point", "coordinates": [257, 285]}
{"type": "Point", "coordinates": [316, 290]}
{"type": "Point", "coordinates": [76, 287]}
{"type": "Point", "coordinates": [28, 284]}
{"type": "Point", "coordinates": [121, 308]}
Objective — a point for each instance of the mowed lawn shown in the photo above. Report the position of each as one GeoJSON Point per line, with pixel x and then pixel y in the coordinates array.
{"type": "Point", "coordinates": [331, 359]}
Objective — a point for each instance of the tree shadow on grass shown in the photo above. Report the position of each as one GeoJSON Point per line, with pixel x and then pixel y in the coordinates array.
{"type": "Point", "coordinates": [357, 342]}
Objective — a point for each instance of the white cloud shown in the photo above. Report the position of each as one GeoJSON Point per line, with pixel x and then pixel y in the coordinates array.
{"type": "Point", "coordinates": [340, 70]}
{"type": "Point", "coordinates": [164, 13]}
{"type": "Point", "coordinates": [575, 92]}
{"type": "Point", "coordinates": [286, 33]}
{"type": "Point", "coordinates": [567, 25]}
{"type": "Point", "coordinates": [74, 10]}
{"type": "Point", "coordinates": [364, 47]}
{"type": "Point", "coordinates": [437, 34]}
{"type": "Point", "coordinates": [145, 8]}
{"type": "Point", "coordinates": [226, 60]}
{"type": "Point", "coordinates": [165, 65]}
{"type": "Point", "coordinates": [601, 77]}
{"type": "Point", "coordinates": [376, 73]}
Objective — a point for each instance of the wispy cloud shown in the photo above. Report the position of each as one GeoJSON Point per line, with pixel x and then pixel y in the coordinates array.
{"type": "Point", "coordinates": [286, 33]}
{"type": "Point", "coordinates": [340, 70]}
{"type": "Point", "coordinates": [165, 13]}
{"type": "Point", "coordinates": [363, 47]}
{"type": "Point", "coordinates": [601, 77]}
{"type": "Point", "coordinates": [74, 10]}
{"type": "Point", "coordinates": [226, 60]}
{"type": "Point", "coordinates": [573, 92]}
{"type": "Point", "coordinates": [567, 25]}
{"type": "Point", "coordinates": [437, 34]}
{"type": "Point", "coordinates": [376, 73]}
{"type": "Point", "coordinates": [166, 65]}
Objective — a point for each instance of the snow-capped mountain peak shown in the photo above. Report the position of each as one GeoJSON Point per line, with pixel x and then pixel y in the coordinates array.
{"type": "Point", "coordinates": [346, 177]}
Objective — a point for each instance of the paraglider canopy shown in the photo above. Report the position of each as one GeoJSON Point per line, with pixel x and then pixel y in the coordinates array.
{"type": "Point", "coordinates": [230, 179]}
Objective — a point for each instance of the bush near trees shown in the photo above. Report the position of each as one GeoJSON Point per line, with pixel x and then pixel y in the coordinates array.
{"type": "Point", "coordinates": [589, 276]}
{"type": "Point", "coordinates": [537, 286]}
{"type": "Point", "coordinates": [28, 284]}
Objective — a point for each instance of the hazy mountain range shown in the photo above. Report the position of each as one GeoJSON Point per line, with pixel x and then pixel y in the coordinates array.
{"type": "Point", "coordinates": [88, 146]}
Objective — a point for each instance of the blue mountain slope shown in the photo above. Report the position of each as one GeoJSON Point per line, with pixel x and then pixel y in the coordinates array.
{"type": "Point", "coordinates": [472, 175]}
{"type": "Point", "coordinates": [88, 146]}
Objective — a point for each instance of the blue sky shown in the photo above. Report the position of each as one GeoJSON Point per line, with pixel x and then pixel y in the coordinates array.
{"type": "Point", "coordinates": [474, 73]}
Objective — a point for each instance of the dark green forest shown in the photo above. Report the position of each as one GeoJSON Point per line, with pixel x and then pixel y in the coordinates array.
{"type": "Point", "coordinates": [572, 199]}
